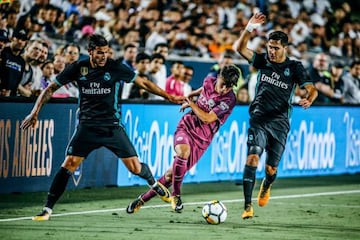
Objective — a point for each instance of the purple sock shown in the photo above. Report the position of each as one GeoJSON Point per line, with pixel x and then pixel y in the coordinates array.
{"type": "Point", "coordinates": [179, 170]}
{"type": "Point", "coordinates": [150, 193]}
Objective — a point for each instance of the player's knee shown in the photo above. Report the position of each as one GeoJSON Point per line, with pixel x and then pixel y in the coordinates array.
{"type": "Point", "coordinates": [270, 170]}
{"type": "Point", "coordinates": [71, 163]}
{"type": "Point", "coordinates": [182, 151]}
{"type": "Point", "coordinates": [257, 150]}
{"type": "Point", "coordinates": [254, 154]}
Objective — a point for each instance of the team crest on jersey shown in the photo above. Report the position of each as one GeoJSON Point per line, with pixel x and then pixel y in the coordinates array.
{"type": "Point", "coordinates": [84, 71]}
{"type": "Point", "coordinates": [287, 72]}
{"type": "Point", "coordinates": [211, 103]}
{"type": "Point", "coordinates": [223, 106]}
{"type": "Point", "coordinates": [107, 76]}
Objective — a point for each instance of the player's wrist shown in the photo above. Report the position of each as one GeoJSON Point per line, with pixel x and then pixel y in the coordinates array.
{"type": "Point", "coordinates": [252, 26]}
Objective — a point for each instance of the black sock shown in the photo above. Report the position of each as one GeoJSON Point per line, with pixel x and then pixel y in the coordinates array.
{"type": "Point", "coordinates": [146, 174]}
{"type": "Point", "coordinates": [248, 182]}
{"type": "Point", "coordinates": [269, 179]}
{"type": "Point", "coordinates": [57, 187]}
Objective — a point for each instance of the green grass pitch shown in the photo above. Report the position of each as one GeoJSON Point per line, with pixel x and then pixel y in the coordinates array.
{"type": "Point", "coordinates": [299, 208]}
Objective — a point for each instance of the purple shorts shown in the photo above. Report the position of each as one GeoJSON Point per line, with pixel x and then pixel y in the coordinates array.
{"type": "Point", "coordinates": [183, 137]}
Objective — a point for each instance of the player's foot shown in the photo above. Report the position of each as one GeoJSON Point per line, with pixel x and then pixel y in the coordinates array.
{"type": "Point", "coordinates": [162, 191]}
{"type": "Point", "coordinates": [248, 211]}
{"type": "Point", "coordinates": [176, 204]}
{"type": "Point", "coordinates": [135, 205]}
{"type": "Point", "coordinates": [264, 194]}
{"type": "Point", "coordinates": [44, 215]}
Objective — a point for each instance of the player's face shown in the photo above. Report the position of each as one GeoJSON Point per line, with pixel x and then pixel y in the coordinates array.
{"type": "Point", "coordinates": [276, 51]}
{"type": "Point", "coordinates": [220, 87]}
{"type": "Point", "coordinates": [98, 56]}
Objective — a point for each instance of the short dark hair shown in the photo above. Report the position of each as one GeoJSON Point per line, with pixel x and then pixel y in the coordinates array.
{"type": "Point", "coordinates": [97, 40]}
{"type": "Point", "coordinates": [231, 75]}
{"type": "Point", "coordinates": [141, 56]}
{"type": "Point", "coordinates": [157, 56]}
{"type": "Point", "coordinates": [354, 62]}
{"type": "Point", "coordinates": [159, 45]}
{"type": "Point", "coordinates": [279, 35]}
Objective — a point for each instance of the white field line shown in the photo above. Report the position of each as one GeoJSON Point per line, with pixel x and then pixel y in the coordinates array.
{"type": "Point", "coordinates": [194, 203]}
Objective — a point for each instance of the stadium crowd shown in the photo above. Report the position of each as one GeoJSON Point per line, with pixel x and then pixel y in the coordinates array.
{"type": "Point", "coordinates": [39, 38]}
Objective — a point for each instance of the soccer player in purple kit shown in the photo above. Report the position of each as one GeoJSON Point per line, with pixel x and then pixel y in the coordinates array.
{"type": "Point", "coordinates": [270, 110]}
{"type": "Point", "coordinates": [195, 131]}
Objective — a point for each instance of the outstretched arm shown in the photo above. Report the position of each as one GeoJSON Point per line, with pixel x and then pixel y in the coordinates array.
{"type": "Point", "coordinates": [311, 96]}
{"type": "Point", "coordinates": [241, 44]}
{"type": "Point", "coordinates": [31, 119]}
{"type": "Point", "coordinates": [153, 88]}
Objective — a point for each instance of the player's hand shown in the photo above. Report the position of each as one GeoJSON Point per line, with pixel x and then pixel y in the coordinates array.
{"type": "Point", "coordinates": [258, 18]}
{"type": "Point", "coordinates": [29, 121]}
{"type": "Point", "coordinates": [186, 104]}
{"type": "Point", "coordinates": [176, 99]}
{"type": "Point", "coordinates": [305, 103]}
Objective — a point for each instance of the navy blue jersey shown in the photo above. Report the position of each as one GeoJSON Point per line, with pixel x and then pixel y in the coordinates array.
{"type": "Point", "coordinates": [98, 90]}
{"type": "Point", "coordinates": [275, 87]}
{"type": "Point", "coordinates": [11, 70]}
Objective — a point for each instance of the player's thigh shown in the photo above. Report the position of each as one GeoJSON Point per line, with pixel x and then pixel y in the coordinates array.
{"type": "Point", "coordinates": [257, 137]}
{"type": "Point", "coordinates": [120, 143]}
{"type": "Point", "coordinates": [83, 141]}
{"type": "Point", "coordinates": [275, 150]}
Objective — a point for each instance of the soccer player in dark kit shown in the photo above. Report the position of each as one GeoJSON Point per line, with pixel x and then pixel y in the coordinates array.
{"type": "Point", "coordinates": [271, 108]}
{"type": "Point", "coordinates": [99, 125]}
{"type": "Point", "coordinates": [195, 131]}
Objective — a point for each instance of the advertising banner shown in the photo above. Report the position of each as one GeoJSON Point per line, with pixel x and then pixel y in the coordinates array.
{"type": "Point", "coordinates": [322, 141]}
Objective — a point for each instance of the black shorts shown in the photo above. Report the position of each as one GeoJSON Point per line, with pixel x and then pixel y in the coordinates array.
{"type": "Point", "coordinates": [88, 138]}
{"type": "Point", "coordinates": [264, 139]}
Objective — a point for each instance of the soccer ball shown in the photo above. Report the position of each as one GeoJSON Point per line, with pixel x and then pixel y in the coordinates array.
{"type": "Point", "coordinates": [214, 212]}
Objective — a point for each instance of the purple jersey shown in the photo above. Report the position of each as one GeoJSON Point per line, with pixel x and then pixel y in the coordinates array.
{"type": "Point", "coordinates": [209, 100]}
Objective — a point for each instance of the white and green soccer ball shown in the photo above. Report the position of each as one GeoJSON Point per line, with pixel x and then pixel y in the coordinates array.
{"type": "Point", "coordinates": [214, 212]}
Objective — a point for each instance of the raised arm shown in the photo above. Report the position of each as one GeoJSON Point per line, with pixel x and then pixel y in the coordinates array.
{"type": "Point", "coordinates": [153, 88]}
{"type": "Point", "coordinates": [31, 119]}
{"type": "Point", "coordinates": [240, 45]}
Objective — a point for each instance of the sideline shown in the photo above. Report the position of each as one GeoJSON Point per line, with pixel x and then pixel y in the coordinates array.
{"type": "Point", "coordinates": [189, 204]}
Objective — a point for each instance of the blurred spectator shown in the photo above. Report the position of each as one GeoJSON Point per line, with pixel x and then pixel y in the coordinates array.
{"type": "Point", "coordinates": [335, 90]}
{"type": "Point", "coordinates": [319, 72]}
{"type": "Point", "coordinates": [47, 73]}
{"type": "Point", "coordinates": [71, 53]}
{"type": "Point", "coordinates": [59, 63]}
{"type": "Point", "coordinates": [142, 65]}
{"type": "Point", "coordinates": [128, 59]}
{"type": "Point", "coordinates": [187, 75]}
{"type": "Point", "coordinates": [160, 75]}
{"type": "Point", "coordinates": [4, 39]}
{"type": "Point", "coordinates": [174, 84]}
{"type": "Point", "coordinates": [242, 95]}
{"type": "Point", "coordinates": [156, 63]}
{"type": "Point", "coordinates": [352, 84]}
{"type": "Point", "coordinates": [31, 55]}
{"type": "Point", "coordinates": [12, 65]}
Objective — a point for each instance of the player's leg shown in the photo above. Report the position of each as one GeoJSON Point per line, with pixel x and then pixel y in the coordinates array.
{"type": "Point", "coordinates": [77, 150]}
{"type": "Point", "coordinates": [273, 157]}
{"type": "Point", "coordinates": [120, 144]}
{"type": "Point", "coordinates": [135, 205]}
{"type": "Point", "coordinates": [256, 143]}
{"type": "Point", "coordinates": [182, 143]}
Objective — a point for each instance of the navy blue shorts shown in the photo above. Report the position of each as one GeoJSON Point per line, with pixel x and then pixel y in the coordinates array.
{"type": "Point", "coordinates": [264, 139]}
{"type": "Point", "coordinates": [88, 138]}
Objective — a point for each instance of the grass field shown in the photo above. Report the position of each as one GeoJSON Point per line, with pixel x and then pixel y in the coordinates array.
{"type": "Point", "coordinates": [301, 208]}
